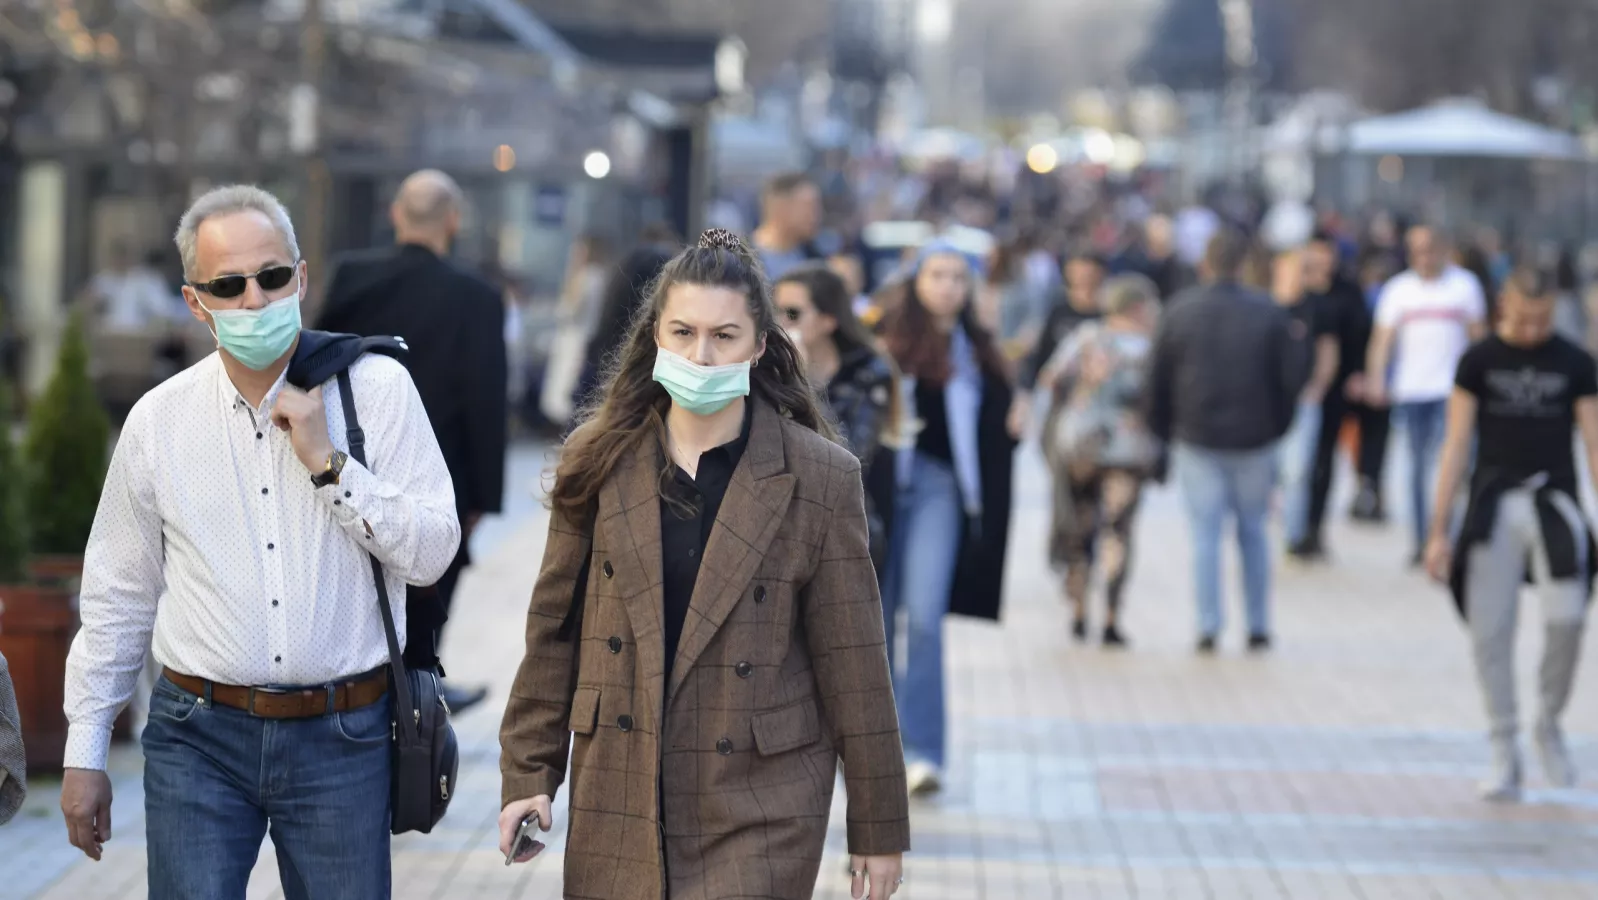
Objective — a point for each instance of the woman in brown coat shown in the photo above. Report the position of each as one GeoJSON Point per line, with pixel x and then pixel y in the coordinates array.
{"type": "Point", "coordinates": [706, 634]}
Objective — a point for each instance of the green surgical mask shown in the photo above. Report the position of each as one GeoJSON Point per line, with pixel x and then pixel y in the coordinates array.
{"type": "Point", "coordinates": [258, 337]}
{"type": "Point", "coordinates": [701, 390]}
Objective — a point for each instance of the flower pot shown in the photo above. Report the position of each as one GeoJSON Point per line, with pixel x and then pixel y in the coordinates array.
{"type": "Point", "coordinates": [37, 623]}
{"type": "Point", "coordinates": [53, 568]}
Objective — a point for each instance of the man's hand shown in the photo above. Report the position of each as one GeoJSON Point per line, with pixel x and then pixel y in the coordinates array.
{"type": "Point", "coordinates": [1439, 558]}
{"type": "Point", "coordinates": [86, 803]}
{"type": "Point", "coordinates": [1354, 388]}
{"type": "Point", "coordinates": [510, 819]}
{"type": "Point", "coordinates": [1375, 395]}
{"type": "Point", "coordinates": [881, 874]}
{"type": "Point", "coordinates": [305, 419]}
{"type": "Point", "coordinates": [1020, 415]}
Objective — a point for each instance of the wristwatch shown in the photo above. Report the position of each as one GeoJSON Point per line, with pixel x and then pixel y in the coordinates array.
{"type": "Point", "coordinates": [335, 467]}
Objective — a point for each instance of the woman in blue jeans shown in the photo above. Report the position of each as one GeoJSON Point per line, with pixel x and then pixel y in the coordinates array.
{"type": "Point", "coordinates": [954, 482]}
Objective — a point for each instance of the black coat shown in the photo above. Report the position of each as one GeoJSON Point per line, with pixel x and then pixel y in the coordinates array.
{"type": "Point", "coordinates": [454, 324]}
{"type": "Point", "coordinates": [979, 577]}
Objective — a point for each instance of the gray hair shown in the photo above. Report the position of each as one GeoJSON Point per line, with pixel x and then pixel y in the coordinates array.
{"type": "Point", "coordinates": [226, 200]}
{"type": "Point", "coordinates": [1125, 293]}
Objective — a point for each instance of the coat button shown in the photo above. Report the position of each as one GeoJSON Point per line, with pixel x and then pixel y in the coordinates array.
{"type": "Point", "coordinates": [609, 572]}
{"type": "Point", "coordinates": [624, 722]}
{"type": "Point", "coordinates": [744, 670]}
{"type": "Point", "coordinates": [724, 747]}
{"type": "Point", "coordinates": [760, 594]}
{"type": "Point", "coordinates": [614, 644]}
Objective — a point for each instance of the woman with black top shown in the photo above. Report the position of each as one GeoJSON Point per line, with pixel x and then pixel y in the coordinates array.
{"type": "Point", "coordinates": [1519, 395]}
{"type": "Point", "coordinates": [703, 641]}
{"type": "Point", "coordinates": [952, 522]}
{"type": "Point", "coordinates": [859, 384]}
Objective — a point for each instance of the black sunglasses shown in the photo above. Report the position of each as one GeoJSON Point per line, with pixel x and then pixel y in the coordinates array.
{"type": "Point", "coordinates": [271, 278]}
{"type": "Point", "coordinates": [792, 312]}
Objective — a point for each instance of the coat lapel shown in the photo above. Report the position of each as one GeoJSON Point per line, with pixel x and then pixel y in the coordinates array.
{"type": "Point", "coordinates": [630, 507]}
{"type": "Point", "coordinates": [751, 514]}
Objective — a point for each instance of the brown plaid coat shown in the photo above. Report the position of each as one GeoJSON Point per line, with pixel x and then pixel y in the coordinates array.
{"type": "Point", "coordinates": [781, 671]}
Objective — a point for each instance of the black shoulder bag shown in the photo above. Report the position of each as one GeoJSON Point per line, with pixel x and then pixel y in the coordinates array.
{"type": "Point", "coordinates": [425, 756]}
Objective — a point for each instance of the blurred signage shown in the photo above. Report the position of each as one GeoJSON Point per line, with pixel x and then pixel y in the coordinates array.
{"type": "Point", "coordinates": [549, 205]}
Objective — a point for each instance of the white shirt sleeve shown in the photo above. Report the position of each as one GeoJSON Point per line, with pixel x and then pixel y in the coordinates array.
{"type": "Point", "coordinates": [1389, 304]}
{"type": "Point", "coordinates": [404, 511]}
{"type": "Point", "coordinates": [122, 581]}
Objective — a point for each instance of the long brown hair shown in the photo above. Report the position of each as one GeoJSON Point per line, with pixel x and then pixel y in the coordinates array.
{"type": "Point", "coordinates": [631, 406]}
{"type": "Point", "coordinates": [918, 347]}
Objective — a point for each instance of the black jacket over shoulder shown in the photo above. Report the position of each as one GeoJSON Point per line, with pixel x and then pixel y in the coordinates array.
{"type": "Point", "coordinates": [454, 323]}
{"type": "Point", "coordinates": [1225, 373]}
{"type": "Point", "coordinates": [978, 590]}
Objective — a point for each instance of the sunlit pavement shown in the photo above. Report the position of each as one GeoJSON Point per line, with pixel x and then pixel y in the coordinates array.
{"type": "Point", "coordinates": [1342, 764]}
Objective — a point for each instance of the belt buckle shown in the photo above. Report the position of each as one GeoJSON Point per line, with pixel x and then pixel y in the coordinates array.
{"type": "Point", "coordinates": [263, 690]}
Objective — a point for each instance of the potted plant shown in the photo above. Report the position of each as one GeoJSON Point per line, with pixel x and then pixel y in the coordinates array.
{"type": "Point", "coordinates": [37, 621]}
{"type": "Point", "coordinates": [66, 453]}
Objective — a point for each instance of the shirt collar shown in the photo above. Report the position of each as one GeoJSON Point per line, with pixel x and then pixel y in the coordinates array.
{"type": "Point", "coordinates": [232, 400]}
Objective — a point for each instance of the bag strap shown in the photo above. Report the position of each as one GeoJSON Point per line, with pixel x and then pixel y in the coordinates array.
{"type": "Point", "coordinates": [396, 661]}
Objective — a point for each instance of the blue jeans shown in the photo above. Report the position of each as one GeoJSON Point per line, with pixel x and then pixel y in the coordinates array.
{"type": "Point", "coordinates": [216, 779]}
{"type": "Point", "coordinates": [1297, 463]}
{"type": "Point", "coordinates": [921, 560]}
{"type": "Point", "coordinates": [1214, 484]}
{"type": "Point", "coordinates": [1423, 425]}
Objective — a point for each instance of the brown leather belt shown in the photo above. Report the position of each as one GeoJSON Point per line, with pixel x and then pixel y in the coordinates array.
{"type": "Point", "coordinates": [296, 703]}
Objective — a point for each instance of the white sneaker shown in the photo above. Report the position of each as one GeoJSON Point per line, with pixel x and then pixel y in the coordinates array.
{"type": "Point", "coordinates": [923, 778]}
{"type": "Point", "coordinates": [1555, 757]}
{"type": "Point", "coordinates": [1504, 781]}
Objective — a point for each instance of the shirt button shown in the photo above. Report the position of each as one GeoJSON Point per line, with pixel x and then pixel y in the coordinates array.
{"type": "Point", "coordinates": [609, 572]}
{"type": "Point", "coordinates": [277, 659]}
{"type": "Point", "coordinates": [263, 490]}
{"type": "Point", "coordinates": [274, 602]}
{"type": "Point", "coordinates": [338, 502]}
{"type": "Point", "coordinates": [346, 493]}
{"type": "Point", "coordinates": [271, 546]}
{"type": "Point", "coordinates": [724, 747]}
{"type": "Point", "coordinates": [614, 644]}
{"type": "Point", "coordinates": [760, 594]}
{"type": "Point", "coordinates": [692, 552]}
{"type": "Point", "coordinates": [259, 435]}
{"type": "Point", "coordinates": [744, 670]}
{"type": "Point", "coordinates": [624, 722]}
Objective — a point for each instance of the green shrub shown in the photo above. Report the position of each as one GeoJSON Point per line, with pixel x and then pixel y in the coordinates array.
{"type": "Point", "coordinates": [13, 523]}
{"type": "Point", "coordinates": [66, 452]}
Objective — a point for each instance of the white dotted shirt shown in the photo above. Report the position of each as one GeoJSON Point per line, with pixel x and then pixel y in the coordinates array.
{"type": "Point", "coordinates": [210, 533]}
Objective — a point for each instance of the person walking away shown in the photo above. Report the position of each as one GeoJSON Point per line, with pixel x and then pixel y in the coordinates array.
{"type": "Point", "coordinates": [236, 529]}
{"type": "Point", "coordinates": [1518, 397]}
{"type": "Point", "coordinates": [790, 220]}
{"type": "Point", "coordinates": [1425, 318]}
{"type": "Point", "coordinates": [1223, 387]}
{"type": "Point", "coordinates": [1341, 303]}
{"type": "Point", "coordinates": [1375, 424]}
{"type": "Point", "coordinates": [454, 324]}
{"type": "Point", "coordinates": [703, 638]}
{"type": "Point", "coordinates": [1102, 452]}
{"type": "Point", "coordinates": [953, 518]}
{"type": "Point", "coordinates": [856, 381]}
{"type": "Point", "coordinates": [1314, 338]}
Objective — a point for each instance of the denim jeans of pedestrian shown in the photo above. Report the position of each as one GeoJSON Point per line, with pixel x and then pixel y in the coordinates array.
{"type": "Point", "coordinates": [217, 779]}
{"type": "Point", "coordinates": [1297, 465]}
{"type": "Point", "coordinates": [925, 546]}
{"type": "Point", "coordinates": [1217, 484]}
{"type": "Point", "coordinates": [1423, 425]}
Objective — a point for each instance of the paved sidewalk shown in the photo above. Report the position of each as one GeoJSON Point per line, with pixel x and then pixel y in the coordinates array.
{"type": "Point", "coordinates": [1342, 765]}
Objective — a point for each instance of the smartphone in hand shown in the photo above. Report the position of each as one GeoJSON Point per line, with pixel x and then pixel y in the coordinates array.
{"type": "Point", "coordinates": [523, 843]}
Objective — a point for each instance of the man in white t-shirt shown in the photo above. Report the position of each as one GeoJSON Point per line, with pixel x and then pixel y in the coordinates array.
{"type": "Point", "coordinates": [1426, 317]}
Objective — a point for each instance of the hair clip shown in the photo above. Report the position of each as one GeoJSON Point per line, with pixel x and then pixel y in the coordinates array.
{"type": "Point", "coordinates": [720, 239]}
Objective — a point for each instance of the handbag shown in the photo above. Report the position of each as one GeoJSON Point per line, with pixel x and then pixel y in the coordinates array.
{"type": "Point", "coordinates": [425, 757]}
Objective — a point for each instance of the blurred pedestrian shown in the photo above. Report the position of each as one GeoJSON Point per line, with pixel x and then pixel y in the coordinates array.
{"type": "Point", "coordinates": [1425, 318]}
{"type": "Point", "coordinates": [235, 528]}
{"type": "Point", "coordinates": [1314, 338]}
{"type": "Point", "coordinates": [1518, 397]}
{"type": "Point", "coordinates": [953, 519]}
{"type": "Point", "coordinates": [790, 220]}
{"type": "Point", "coordinates": [726, 647]}
{"type": "Point", "coordinates": [626, 291]}
{"type": "Point", "coordinates": [1223, 387]}
{"type": "Point", "coordinates": [1084, 276]}
{"type": "Point", "coordinates": [1341, 302]}
{"type": "Point", "coordinates": [1102, 451]}
{"type": "Point", "coordinates": [859, 384]}
{"type": "Point", "coordinates": [13, 759]}
{"type": "Point", "coordinates": [1376, 268]}
{"type": "Point", "coordinates": [582, 301]}
{"type": "Point", "coordinates": [454, 325]}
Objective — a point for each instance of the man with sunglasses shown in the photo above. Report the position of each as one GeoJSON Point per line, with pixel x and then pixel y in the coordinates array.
{"type": "Point", "coordinates": [235, 531]}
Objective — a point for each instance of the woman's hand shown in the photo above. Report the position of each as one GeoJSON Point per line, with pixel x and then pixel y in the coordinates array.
{"type": "Point", "coordinates": [510, 819]}
{"type": "Point", "coordinates": [1439, 558]}
{"type": "Point", "coordinates": [884, 873]}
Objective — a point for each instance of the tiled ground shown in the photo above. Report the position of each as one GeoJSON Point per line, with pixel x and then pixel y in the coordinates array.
{"type": "Point", "coordinates": [1340, 766]}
